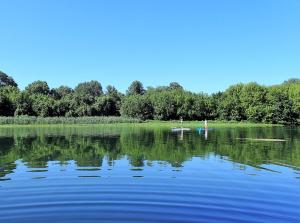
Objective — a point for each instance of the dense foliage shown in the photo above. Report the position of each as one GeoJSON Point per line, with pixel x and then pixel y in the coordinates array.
{"type": "Point", "coordinates": [252, 102]}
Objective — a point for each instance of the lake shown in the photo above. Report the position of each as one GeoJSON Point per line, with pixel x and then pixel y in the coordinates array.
{"type": "Point", "coordinates": [136, 174]}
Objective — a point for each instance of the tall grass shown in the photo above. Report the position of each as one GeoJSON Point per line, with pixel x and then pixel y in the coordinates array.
{"type": "Point", "coordinates": [31, 120]}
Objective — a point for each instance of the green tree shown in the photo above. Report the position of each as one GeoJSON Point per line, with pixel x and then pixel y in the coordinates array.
{"type": "Point", "coordinates": [230, 107]}
{"type": "Point", "coordinates": [106, 106]}
{"type": "Point", "coordinates": [61, 92]}
{"type": "Point", "coordinates": [42, 105]}
{"type": "Point", "coordinates": [116, 96]}
{"type": "Point", "coordinates": [137, 106]}
{"type": "Point", "coordinates": [111, 91]}
{"type": "Point", "coordinates": [61, 107]}
{"type": "Point", "coordinates": [78, 104]}
{"type": "Point", "coordinates": [92, 88]}
{"type": "Point", "coordinates": [253, 100]}
{"type": "Point", "coordinates": [175, 86]}
{"type": "Point", "coordinates": [12, 94]}
{"type": "Point", "coordinates": [292, 87]}
{"type": "Point", "coordinates": [280, 109]}
{"type": "Point", "coordinates": [6, 80]}
{"type": "Point", "coordinates": [6, 106]}
{"type": "Point", "coordinates": [38, 87]}
{"type": "Point", "coordinates": [200, 107]}
{"type": "Point", "coordinates": [213, 105]}
{"type": "Point", "coordinates": [292, 81]}
{"type": "Point", "coordinates": [24, 105]}
{"type": "Point", "coordinates": [136, 87]}
{"type": "Point", "coordinates": [164, 104]}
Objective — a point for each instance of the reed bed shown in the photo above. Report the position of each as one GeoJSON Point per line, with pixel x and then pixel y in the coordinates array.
{"type": "Point", "coordinates": [31, 120]}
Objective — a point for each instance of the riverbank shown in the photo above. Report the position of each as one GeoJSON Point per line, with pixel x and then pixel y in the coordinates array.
{"type": "Point", "coordinates": [117, 121]}
{"type": "Point", "coordinates": [211, 124]}
{"type": "Point", "coordinates": [31, 120]}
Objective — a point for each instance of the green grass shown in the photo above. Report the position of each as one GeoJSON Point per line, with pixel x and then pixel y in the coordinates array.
{"type": "Point", "coordinates": [27, 121]}
{"type": "Point", "coordinates": [30, 120]}
{"type": "Point", "coordinates": [199, 124]}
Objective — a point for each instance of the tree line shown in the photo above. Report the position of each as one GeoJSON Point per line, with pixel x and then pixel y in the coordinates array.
{"type": "Point", "coordinates": [251, 101]}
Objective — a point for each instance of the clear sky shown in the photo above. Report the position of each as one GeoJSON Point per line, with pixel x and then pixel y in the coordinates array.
{"type": "Point", "coordinates": [205, 45]}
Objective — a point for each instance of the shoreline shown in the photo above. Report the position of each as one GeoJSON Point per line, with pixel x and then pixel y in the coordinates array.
{"type": "Point", "coordinates": [146, 124]}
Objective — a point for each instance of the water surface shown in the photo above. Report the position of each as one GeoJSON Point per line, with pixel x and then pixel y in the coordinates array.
{"type": "Point", "coordinates": [113, 174]}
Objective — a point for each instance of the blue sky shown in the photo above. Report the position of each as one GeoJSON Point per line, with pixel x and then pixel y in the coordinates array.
{"type": "Point", "coordinates": [203, 45]}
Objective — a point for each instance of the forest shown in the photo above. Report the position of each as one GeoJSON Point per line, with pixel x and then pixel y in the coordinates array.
{"type": "Point", "coordinates": [240, 102]}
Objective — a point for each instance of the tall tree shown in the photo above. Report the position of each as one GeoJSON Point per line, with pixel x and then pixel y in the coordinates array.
{"type": "Point", "coordinates": [136, 87]}
{"type": "Point", "coordinates": [6, 80]}
{"type": "Point", "coordinates": [42, 105]}
{"type": "Point", "coordinates": [24, 105]}
{"type": "Point", "coordinates": [253, 100]}
{"type": "Point", "coordinates": [61, 92]}
{"type": "Point", "coordinates": [38, 87]}
{"type": "Point", "coordinates": [165, 104]}
{"type": "Point", "coordinates": [230, 107]}
{"type": "Point", "coordinates": [12, 94]}
{"type": "Point", "coordinates": [292, 81]}
{"type": "Point", "coordinates": [111, 90]}
{"type": "Point", "coordinates": [137, 106]}
{"type": "Point", "coordinates": [105, 105]}
{"type": "Point", "coordinates": [6, 106]}
{"type": "Point", "coordinates": [175, 86]}
{"type": "Point", "coordinates": [292, 87]}
{"type": "Point", "coordinates": [279, 108]}
{"type": "Point", "coordinates": [92, 88]}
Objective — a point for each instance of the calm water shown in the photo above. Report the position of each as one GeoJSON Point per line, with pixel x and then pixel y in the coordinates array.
{"type": "Point", "coordinates": [143, 175]}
